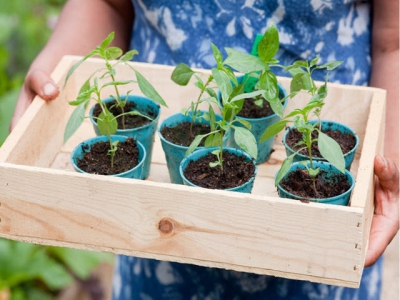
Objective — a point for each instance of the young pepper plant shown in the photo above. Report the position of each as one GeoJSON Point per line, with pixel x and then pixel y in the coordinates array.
{"type": "Point", "coordinates": [257, 69]}
{"type": "Point", "coordinates": [181, 75]}
{"type": "Point", "coordinates": [232, 95]}
{"type": "Point", "coordinates": [92, 89]}
{"type": "Point", "coordinates": [330, 150]}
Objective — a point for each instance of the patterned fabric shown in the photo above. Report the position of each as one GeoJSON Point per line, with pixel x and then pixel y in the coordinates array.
{"type": "Point", "coordinates": [173, 31]}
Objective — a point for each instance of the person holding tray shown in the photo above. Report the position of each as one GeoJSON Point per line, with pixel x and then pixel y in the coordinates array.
{"type": "Point", "coordinates": [362, 33]}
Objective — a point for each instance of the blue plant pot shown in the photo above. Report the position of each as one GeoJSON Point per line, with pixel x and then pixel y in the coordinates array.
{"type": "Point", "coordinates": [80, 150]}
{"type": "Point", "coordinates": [258, 126]}
{"type": "Point", "coordinates": [244, 188]}
{"type": "Point", "coordinates": [326, 125]}
{"type": "Point", "coordinates": [144, 134]}
{"type": "Point", "coordinates": [342, 199]}
{"type": "Point", "coordinates": [175, 153]}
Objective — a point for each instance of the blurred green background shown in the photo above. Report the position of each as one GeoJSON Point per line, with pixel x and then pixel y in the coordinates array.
{"type": "Point", "coordinates": [30, 271]}
{"type": "Point", "coordinates": [25, 26]}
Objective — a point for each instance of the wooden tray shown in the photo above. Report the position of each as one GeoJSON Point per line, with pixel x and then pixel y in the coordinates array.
{"type": "Point", "coordinates": [42, 200]}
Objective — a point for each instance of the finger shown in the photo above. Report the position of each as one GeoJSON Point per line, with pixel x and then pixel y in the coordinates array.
{"type": "Point", "coordinates": [382, 233]}
{"type": "Point", "coordinates": [387, 173]}
{"type": "Point", "coordinates": [41, 84]}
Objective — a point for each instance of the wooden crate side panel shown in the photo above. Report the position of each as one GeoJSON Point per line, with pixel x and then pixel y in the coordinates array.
{"type": "Point", "coordinates": [37, 138]}
{"type": "Point", "coordinates": [236, 231]}
{"type": "Point", "coordinates": [373, 145]}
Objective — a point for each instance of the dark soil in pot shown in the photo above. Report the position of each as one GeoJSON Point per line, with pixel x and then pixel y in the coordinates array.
{"type": "Point", "coordinates": [236, 171]}
{"type": "Point", "coordinates": [300, 183]}
{"type": "Point", "coordinates": [96, 161]}
{"type": "Point", "coordinates": [346, 141]}
{"type": "Point", "coordinates": [131, 121]}
{"type": "Point", "coordinates": [252, 111]}
{"type": "Point", "coordinates": [181, 134]}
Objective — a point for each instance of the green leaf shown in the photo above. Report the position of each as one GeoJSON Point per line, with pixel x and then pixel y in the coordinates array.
{"type": "Point", "coordinates": [107, 123]}
{"type": "Point", "coordinates": [300, 81]}
{"type": "Point", "coordinates": [243, 62]}
{"type": "Point", "coordinates": [182, 74]}
{"type": "Point", "coordinates": [128, 56]}
{"type": "Point", "coordinates": [217, 54]}
{"type": "Point", "coordinates": [113, 53]}
{"type": "Point", "coordinates": [314, 61]}
{"type": "Point", "coordinates": [277, 107]}
{"type": "Point", "coordinates": [212, 118]}
{"type": "Point", "coordinates": [330, 65]}
{"type": "Point", "coordinates": [285, 167]}
{"type": "Point", "coordinates": [269, 44]}
{"type": "Point", "coordinates": [76, 65]}
{"type": "Point", "coordinates": [245, 123]}
{"type": "Point", "coordinates": [107, 41]}
{"type": "Point", "coordinates": [246, 140]}
{"type": "Point", "coordinates": [223, 83]}
{"type": "Point", "coordinates": [148, 90]}
{"type": "Point", "coordinates": [75, 121]}
{"type": "Point", "coordinates": [116, 83]}
{"type": "Point", "coordinates": [196, 142]}
{"type": "Point", "coordinates": [213, 140]}
{"type": "Point", "coordinates": [247, 95]}
{"type": "Point", "coordinates": [330, 150]}
{"type": "Point", "coordinates": [313, 172]}
{"type": "Point", "coordinates": [273, 130]}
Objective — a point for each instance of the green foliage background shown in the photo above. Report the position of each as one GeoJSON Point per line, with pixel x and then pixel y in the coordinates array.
{"type": "Point", "coordinates": [30, 271]}
{"type": "Point", "coordinates": [25, 26]}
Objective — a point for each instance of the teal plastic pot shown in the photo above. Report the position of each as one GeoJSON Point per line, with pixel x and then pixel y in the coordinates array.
{"type": "Point", "coordinates": [258, 126]}
{"type": "Point", "coordinates": [144, 134]}
{"type": "Point", "coordinates": [326, 125]}
{"type": "Point", "coordinates": [342, 199]}
{"type": "Point", "coordinates": [86, 145]}
{"type": "Point", "coordinates": [244, 188]}
{"type": "Point", "coordinates": [175, 153]}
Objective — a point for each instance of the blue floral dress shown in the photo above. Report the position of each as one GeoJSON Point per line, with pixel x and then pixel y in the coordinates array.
{"type": "Point", "coordinates": [174, 31]}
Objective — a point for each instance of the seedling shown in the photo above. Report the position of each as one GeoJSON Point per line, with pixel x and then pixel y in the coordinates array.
{"type": "Point", "coordinates": [92, 88]}
{"type": "Point", "coordinates": [181, 76]}
{"type": "Point", "coordinates": [330, 150]}
{"type": "Point", "coordinates": [257, 69]}
{"type": "Point", "coordinates": [232, 96]}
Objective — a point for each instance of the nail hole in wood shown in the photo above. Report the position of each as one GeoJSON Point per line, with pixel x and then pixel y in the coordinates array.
{"type": "Point", "coordinates": [356, 246]}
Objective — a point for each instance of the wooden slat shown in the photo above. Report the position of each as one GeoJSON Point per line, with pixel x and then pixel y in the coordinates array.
{"type": "Point", "coordinates": [38, 136]}
{"type": "Point", "coordinates": [211, 228]}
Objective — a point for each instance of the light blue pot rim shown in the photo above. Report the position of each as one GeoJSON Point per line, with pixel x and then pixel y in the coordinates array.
{"type": "Point", "coordinates": [320, 200]}
{"type": "Point", "coordinates": [324, 121]}
{"type": "Point", "coordinates": [175, 145]}
{"type": "Point", "coordinates": [122, 131]}
{"type": "Point", "coordinates": [236, 151]}
{"type": "Point", "coordinates": [101, 138]}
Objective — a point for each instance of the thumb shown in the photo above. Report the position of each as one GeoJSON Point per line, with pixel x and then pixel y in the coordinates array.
{"type": "Point", "coordinates": [41, 84]}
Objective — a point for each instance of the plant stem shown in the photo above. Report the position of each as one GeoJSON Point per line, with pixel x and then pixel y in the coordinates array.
{"type": "Point", "coordinates": [119, 101]}
{"type": "Point", "coordinates": [210, 78]}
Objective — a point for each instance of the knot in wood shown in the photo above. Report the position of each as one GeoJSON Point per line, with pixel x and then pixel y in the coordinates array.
{"type": "Point", "coordinates": [166, 226]}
